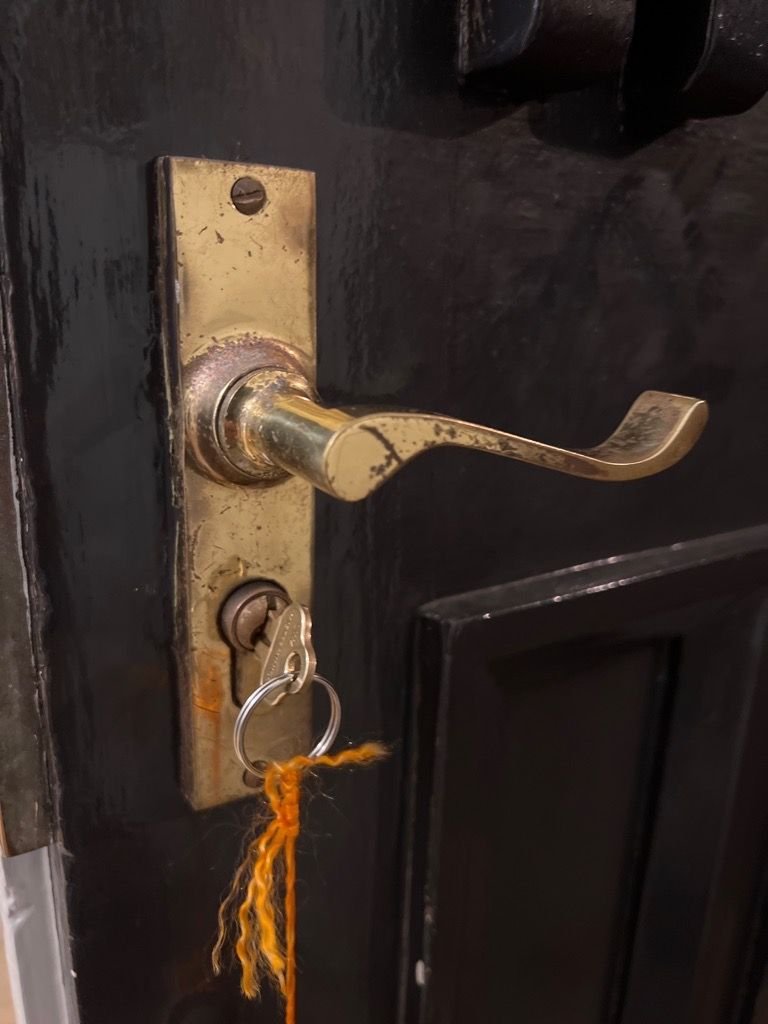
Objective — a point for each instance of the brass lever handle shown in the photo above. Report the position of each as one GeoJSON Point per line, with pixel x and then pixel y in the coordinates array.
{"type": "Point", "coordinates": [270, 423]}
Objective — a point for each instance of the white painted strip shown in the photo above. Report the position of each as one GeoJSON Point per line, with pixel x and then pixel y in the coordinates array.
{"type": "Point", "coordinates": [36, 939]}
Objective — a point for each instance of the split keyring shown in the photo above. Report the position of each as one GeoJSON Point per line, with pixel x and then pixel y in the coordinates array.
{"type": "Point", "coordinates": [272, 688]}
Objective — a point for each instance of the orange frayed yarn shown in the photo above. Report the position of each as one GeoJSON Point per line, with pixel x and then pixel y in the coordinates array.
{"type": "Point", "coordinates": [260, 948]}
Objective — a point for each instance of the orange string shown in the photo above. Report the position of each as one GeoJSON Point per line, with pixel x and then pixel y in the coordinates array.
{"type": "Point", "coordinates": [261, 950]}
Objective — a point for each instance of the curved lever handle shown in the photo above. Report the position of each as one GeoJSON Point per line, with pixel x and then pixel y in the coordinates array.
{"type": "Point", "coordinates": [271, 422]}
{"type": "Point", "coordinates": [350, 456]}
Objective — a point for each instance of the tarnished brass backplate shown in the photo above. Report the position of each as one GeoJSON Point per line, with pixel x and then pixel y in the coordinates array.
{"type": "Point", "coordinates": [229, 279]}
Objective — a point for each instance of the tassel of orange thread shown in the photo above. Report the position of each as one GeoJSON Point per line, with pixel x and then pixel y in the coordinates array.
{"type": "Point", "coordinates": [259, 947]}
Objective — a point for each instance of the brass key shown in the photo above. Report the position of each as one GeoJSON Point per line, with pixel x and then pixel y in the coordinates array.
{"type": "Point", "coordinates": [289, 635]}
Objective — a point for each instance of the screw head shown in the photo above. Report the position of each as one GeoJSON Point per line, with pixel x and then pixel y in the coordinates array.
{"type": "Point", "coordinates": [248, 196]}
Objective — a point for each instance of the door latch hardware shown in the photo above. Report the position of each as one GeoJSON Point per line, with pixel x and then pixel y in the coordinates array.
{"type": "Point", "coordinates": [270, 424]}
{"type": "Point", "coordinates": [239, 325]}
{"type": "Point", "coordinates": [237, 266]}
{"type": "Point", "coordinates": [269, 633]}
{"type": "Point", "coordinates": [270, 636]}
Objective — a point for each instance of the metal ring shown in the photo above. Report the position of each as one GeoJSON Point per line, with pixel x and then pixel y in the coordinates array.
{"type": "Point", "coordinates": [267, 690]}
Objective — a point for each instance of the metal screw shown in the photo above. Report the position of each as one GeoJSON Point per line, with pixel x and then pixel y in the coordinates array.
{"type": "Point", "coordinates": [248, 196]}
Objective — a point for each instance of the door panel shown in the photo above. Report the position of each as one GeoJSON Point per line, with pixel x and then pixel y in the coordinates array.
{"type": "Point", "coordinates": [545, 758]}
{"type": "Point", "coordinates": [588, 782]}
{"type": "Point", "coordinates": [701, 899]}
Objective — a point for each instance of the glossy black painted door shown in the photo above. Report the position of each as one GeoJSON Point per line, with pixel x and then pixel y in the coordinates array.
{"type": "Point", "coordinates": [517, 264]}
{"type": "Point", "coordinates": [588, 808]}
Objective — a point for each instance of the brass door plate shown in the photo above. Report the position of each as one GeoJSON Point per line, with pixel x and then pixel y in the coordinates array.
{"type": "Point", "coordinates": [230, 280]}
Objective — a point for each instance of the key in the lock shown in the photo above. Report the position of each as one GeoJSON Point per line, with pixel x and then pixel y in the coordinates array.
{"type": "Point", "coordinates": [270, 635]}
{"type": "Point", "coordinates": [289, 636]}
{"type": "Point", "coordinates": [251, 620]}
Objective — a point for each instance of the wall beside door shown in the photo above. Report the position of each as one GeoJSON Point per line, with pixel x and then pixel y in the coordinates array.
{"type": "Point", "coordinates": [7, 1015]}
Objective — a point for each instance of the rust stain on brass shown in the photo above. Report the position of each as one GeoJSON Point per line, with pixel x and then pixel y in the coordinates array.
{"type": "Point", "coordinates": [225, 277]}
{"type": "Point", "coordinates": [211, 680]}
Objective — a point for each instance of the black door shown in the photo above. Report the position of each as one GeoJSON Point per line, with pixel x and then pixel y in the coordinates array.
{"type": "Point", "coordinates": [572, 825]}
